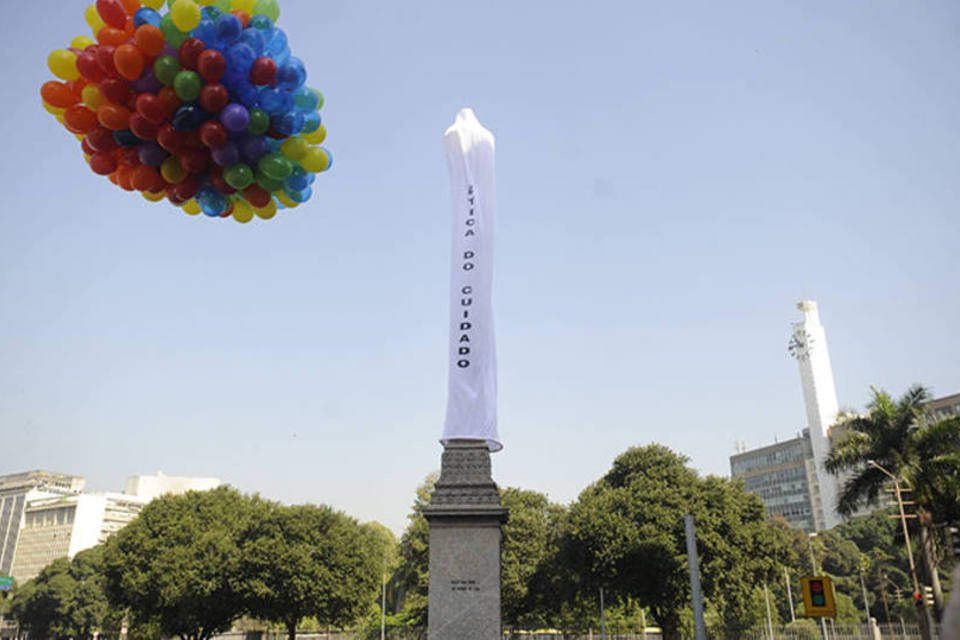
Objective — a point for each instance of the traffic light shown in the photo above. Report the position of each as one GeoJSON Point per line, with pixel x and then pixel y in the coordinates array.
{"type": "Point", "coordinates": [928, 597]}
{"type": "Point", "coordinates": [953, 533]}
{"type": "Point", "coordinates": [818, 600]}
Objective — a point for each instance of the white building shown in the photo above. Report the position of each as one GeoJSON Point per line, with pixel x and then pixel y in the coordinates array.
{"type": "Point", "coordinates": [16, 491]}
{"type": "Point", "coordinates": [151, 487]}
{"type": "Point", "coordinates": [63, 526]}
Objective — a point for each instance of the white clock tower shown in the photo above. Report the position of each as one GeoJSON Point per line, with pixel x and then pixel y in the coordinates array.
{"type": "Point", "coordinates": [809, 346]}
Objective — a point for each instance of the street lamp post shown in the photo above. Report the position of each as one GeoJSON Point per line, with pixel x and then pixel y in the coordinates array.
{"type": "Point", "coordinates": [924, 614]}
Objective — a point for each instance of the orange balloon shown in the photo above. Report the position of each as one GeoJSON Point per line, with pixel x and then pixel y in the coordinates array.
{"type": "Point", "coordinates": [129, 61]}
{"type": "Point", "coordinates": [149, 38]}
{"type": "Point", "coordinates": [143, 177]}
{"type": "Point", "coordinates": [131, 6]}
{"type": "Point", "coordinates": [58, 94]}
{"type": "Point", "coordinates": [112, 35]}
{"type": "Point", "coordinates": [124, 175]}
{"type": "Point", "coordinates": [79, 119]}
{"type": "Point", "coordinates": [113, 116]}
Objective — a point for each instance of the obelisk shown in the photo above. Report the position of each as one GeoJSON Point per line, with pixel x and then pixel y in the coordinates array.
{"type": "Point", "coordinates": [465, 513]}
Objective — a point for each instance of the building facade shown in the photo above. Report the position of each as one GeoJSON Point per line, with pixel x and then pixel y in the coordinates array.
{"type": "Point", "coordinates": [781, 475]}
{"type": "Point", "coordinates": [16, 491]}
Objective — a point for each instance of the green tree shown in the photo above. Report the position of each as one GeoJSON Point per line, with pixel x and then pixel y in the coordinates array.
{"type": "Point", "coordinates": [178, 564]}
{"type": "Point", "coordinates": [626, 534]}
{"type": "Point", "coordinates": [900, 437]}
{"type": "Point", "coordinates": [66, 600]}
{"type": "Point", "coordinates": [313, 561]}
{"type": "Point", "coordinates": [410, 583]}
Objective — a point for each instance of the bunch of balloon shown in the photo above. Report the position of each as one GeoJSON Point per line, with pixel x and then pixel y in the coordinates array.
{"type": "Point", "coordinates": [199, 102]}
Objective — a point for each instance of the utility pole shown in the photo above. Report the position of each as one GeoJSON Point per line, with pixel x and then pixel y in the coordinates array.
{"type": "Point", "coordinates": [603, 618]}
{"type": "Point", "coordinates": [693, 561]}
{"type": "Point", "coordinates": [766, 600]}
{"type": "Point", "coordinates": [923, 612]}
{"type": "Point", "coordinates": [786, 578]}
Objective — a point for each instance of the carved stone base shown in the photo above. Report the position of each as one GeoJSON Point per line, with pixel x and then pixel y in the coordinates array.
{"type": "Point", "coordinates": [465, 517]}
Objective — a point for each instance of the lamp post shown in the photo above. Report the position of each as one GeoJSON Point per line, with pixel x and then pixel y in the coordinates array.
{"type": "Point", "coordinates": [924, 614]}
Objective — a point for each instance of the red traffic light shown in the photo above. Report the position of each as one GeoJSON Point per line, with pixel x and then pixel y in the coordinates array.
{"type": "Point", "coordinates": [816, 586]}
{"type": "Point", "coordinates": [916, 597]}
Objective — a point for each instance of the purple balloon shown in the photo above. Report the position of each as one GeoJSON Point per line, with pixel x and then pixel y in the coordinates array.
{"type": "Point", "coordinates": [235, 117]}
{"type": "Point", "coordinates": [151, 154]}
{"type": "Point", "coordinates": [254, 148]}
{"type": "Point", "coordinates": [147, 82]}
{"type": "Point", "coordinates": [226, 155]}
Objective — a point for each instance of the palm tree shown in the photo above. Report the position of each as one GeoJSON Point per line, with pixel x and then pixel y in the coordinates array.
{"type": "Point", "coordinates": [901, 437]}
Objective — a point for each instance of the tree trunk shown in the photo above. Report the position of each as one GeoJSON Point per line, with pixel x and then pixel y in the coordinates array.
{"type": "Point", "coordinates": [930, 562]}
{"type": "Point", "coordinates": [291, 629]}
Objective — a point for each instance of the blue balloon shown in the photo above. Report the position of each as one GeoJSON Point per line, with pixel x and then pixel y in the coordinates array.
{"type": "Point", "coordinates": [299, 196]}
{"type": "Point", "coordinates": [275, 101]}
{"type": "Point", "coordinates": [305, 99]}
{"type": "Point", "coordinates": [291, 75]}
{"type": "Point", "coordinates": [229, 28]}
{"type": "Point", "coordinates": [276, 43]}
{"type": "Point", "coordinates": [211, 201]}
{"type": "Point", "coordinates": [126, 138]}
{"type": "Point", "coordinates": [146, 15]}
{"type": "Point", "coordinates": [311, 122]}
{"type": "Point", "coordinates": [206, 31]}
{"type": "Point", "coordinates": [243, 92]}
{"type": "Point", "coordinates": [240, 57]}
{"type": "Point", "coordinates": [297, 180]}
{"type": "Point", "coordinates": [254, 39]}
{"type": "Point", "coordinates": [289, 123]}
{"type": "Point", "coordinates": [188, 117]}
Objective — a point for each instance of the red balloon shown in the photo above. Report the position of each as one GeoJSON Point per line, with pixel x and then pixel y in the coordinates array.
{"type": "Point", "coordinates": [191, 140]}
{"type": "Point", "coordinates": [58, 94]}
{"type": "Point", "coordinates": [187, 188]}
{"type": "Point", "coordinates": [112, 12]}
{"type": "Point", "coordinates": [130, 156]}
{"type": "Point", "coordinates": [229, 210]}
{"type": "Point", "coordinates": [189, 52]}
{"type": "Point", "coordinates": [101, 139]}
{"type": "Point", "coordinates": [103, 163]}
{"type": "Point", "coordinates": [216, 179]}
{"type": "Point", "coordinates": [142, 127]}
{"type": "Point", "coordinates": [104, 55]}
{"type": "Point", "coordinates": [144, 178]}
{"type": "Point", "coordinates": [211, 65]}
{"type": "Point", "coordinates": [257, 195]}
{"type": "Point", "coordinates": [212, 134]}
{"type": "Point", "coordinates": [214, 97]}
{"type": "Point", "coordinates": [150, 107]}
{"type": "Point", "coordinates": [194, 161]}
{"type": "Point", "coordinates": [169, 138]}
{"type": "Point", "coordinates": [263, 71]}
{"type": "Point", "coordinates": [87, 149]}
{"type": "Point", "coordinates": [89, 68]}
{"type": "Point", "coordinates": [116, 90]}
{"type": "Point", "coordinates": [112, 36]}
{"type": "Point", "coordinates": [169, 99]}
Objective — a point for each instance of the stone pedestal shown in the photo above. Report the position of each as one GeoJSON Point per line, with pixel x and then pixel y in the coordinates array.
{"type": "Point", "coordinates": [465, 517]}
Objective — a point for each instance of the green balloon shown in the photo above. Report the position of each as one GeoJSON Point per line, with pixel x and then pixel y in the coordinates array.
{"type": "Point", "coordinates": [275, 165]}
{"type": "Point", "coordinates": [239, 176]}
{"type": "Point", "coordinates": [319, 98]}
{"type": "Point", "coordinates": [171, 34]}
{"type": "Point", "coordinates": [268, 183]}
{"type": "Point", "coordinates": [269, 8]}
{"type": "Point", "coordinates": [166, 69]}
{"type": "Point", "coordinates": [187, 85]}
{"type": "Point", "coordinates": [259, 121]}
{"type": "Point", "coordinates": [223, 5]}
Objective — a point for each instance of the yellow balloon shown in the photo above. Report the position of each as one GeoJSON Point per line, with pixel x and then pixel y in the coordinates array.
{"type": "Point", "coordinates": [185, 15]}
{"type": "Point", "coordinates": [286, 201]}
{"type": "Point", "coordinates": [57, 111]}
{"type": "Point", "coordinates": [86, 158]}
{"type": "Point", "coordinates": [82, 42]}
{"type": "Point", "coordinates": [316, 137]}
{"type": "Point", "coordinates": [60, 118]}
{"type": "Point", "coordinates": [63, 64]}
{"type": "Point", "coordinates": [171, 170]}
{"type": "Point", "coordinates": [242, 211]}
{"type": "Point", "coordinates": [191, 207]}
{"type": "Point", "coordinates": [244, 5]}
{"type": "Point", "coordinates": [294, 148]}
{"type": "Point", "coordinates": [205, 3]}
{"type": "Point", "coordinates": [315, 160]}
{"type": "Point", "coordinates": [268, 211]}
{"type": "Point", "coordinates": [93, 18]}
{"type": "Point", "coordinates": [153, 4]}
{"type": "Point", "coordinates": [92, 97]}
{"type": "Point", "coordinates": [152, 197]}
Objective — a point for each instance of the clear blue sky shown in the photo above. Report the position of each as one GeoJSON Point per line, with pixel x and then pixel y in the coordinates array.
{"type": "Point", "coordinates": [672, 178]}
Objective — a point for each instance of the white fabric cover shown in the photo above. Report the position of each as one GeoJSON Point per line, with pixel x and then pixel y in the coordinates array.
{"type": "Point", "coordinates": [472, 388]}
